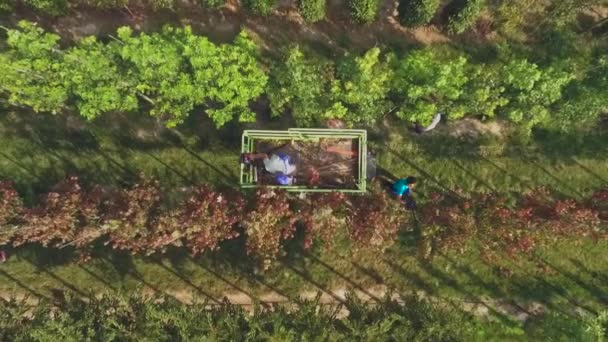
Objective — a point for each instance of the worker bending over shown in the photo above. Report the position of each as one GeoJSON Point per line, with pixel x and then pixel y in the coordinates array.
{"type": "Point", "coordinates": [402, 188]}
{"type": "Point", "coordinates": [279, 165]}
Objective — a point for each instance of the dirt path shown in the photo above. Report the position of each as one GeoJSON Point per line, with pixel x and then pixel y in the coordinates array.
{"type": "Point", "coordinates": [483, 307]}
{"type": "Point", "coordinates": [285, 26]}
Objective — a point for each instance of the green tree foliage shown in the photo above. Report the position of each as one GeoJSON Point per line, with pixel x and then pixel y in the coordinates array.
{"type": "Point", "coordinates": [161, 4]}
{"type": "Point", "coordinates": [312, 10]}
{"type": "Point", "coordinates": [464, 14]}
{"type": "Point", "coordinates": [414, 13]}
{"type": "Point", "coordinates": [157, 67]}
{"type": "Point", "coordinates": [93, 77]}
{"type": "Point", "coordinates": [531, 91]}
{"type": "Point", "coordinates": [227, 76]}
{"type": "Point", "coordinates": [52, 7]}
{"type": "Point", "coordinates": [564, 12]}
{"type": "Point", "coordinates": [106, 4]}
{"type": "Point", "coordinates": [484, 93]}
{"type": "Point", "coordinates": [584, 99]}
{"type": "Point", "coordinates": [301, 82]}
{"type": "Point", "coordinates": [362, 86]}
{"type": "Point", "coordinates": [428, 82]}
{"type": "Point", "coordinates": [212, 3]}
{"type": "Point", "coordinates": [6, 5]}
{"type": "Point", "coordinates": [364, 11]}
{"type": "Point", "coordinates": [173, 71]}
{"type": "Point", "coordinates": [262, 7]}
{"type": "Point", "coordinates": [31, 71]}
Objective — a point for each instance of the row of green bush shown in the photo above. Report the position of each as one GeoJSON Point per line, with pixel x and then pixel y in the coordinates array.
{"type": "Point", "coordinates": [458, 16]}
{"type": "Point", "coordinates": [113, 317]}
{"type": "Point", "coordinates": [174, 73]}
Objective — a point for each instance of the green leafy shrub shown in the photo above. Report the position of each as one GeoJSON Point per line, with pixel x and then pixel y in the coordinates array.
{"type": "Point", "coordinates": [262, 7]}
{"type": "Point", "coordinates": [6, 5]}
{"type": "Point", "coordinates": [414, 13]}
{"type": "Point", "coordinates": [162, 4]}
{"type": "Point", "coordinates": [31, 69]}
{"type": "Point", "coordinates": [364, 11]}
{"type": "Point", "coordinates": [362, 87]}
{"type": "Point", "coordinates": [312, 10]}
{"type": "Point", "coordinates": [531, 91]}
{"type": "Point", "coordinates": [464, 15]}
{"type": "Point", "coordinates": [300, 82]}
{"type": "Point", "coordinates": [430, 81]}
{"type": "Point", "coordinates": [52, 7]}
{"type": "Point", "coordinates": [173, 71]}
{"type": "Point", "coordinates": [213, 3]}
{"type": "Point", "coordinates": [105, 4]}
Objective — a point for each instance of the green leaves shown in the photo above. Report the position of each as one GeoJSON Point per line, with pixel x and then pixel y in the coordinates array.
{"type": "Point", "coordinates": [312, 10]}
{"type": "Point", "coordinates": [414, 13]}
{"type": "Point", "coordinates": [172, 72]}
{"type": "Point", "coordinates": [31, 72]}
{"type": "Point", "coordinates": [301, 82]}
{"type": "Point", "coordinates": [362, 86]}
{"type": "Point", "coordinates": [364, 11]}
{"type": "Point", "coordinates": [94, 78]}
{"type": "Point", "coordinates": [427, 82]}
{"type": "Point", "coordinates": [532, 91]}
{"type": "Point", "coordinates": [464, 14]}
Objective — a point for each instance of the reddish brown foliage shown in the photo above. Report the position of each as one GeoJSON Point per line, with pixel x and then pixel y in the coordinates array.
{"type": "Point", "coordinates": [204, 220]}
{"type": "Point", "coordinates": [11, 208]}
{"type": "Point", "coordinates": [375, 220]}
{"type": "Point", "coordinates": [269, 222]}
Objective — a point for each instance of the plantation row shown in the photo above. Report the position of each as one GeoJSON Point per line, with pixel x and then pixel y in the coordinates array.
{"type": "Point", "coordinates": [174, 73]}
{"type": "Point", "coordinates": [458, 15]}
{"type": "Point", "coordinates": [162, 318]}
{"type": "Point", "coordinates": [136, 220]}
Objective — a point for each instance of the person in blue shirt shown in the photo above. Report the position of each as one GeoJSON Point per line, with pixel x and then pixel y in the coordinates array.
{"type": "Point", "coordinates": [403, 187]}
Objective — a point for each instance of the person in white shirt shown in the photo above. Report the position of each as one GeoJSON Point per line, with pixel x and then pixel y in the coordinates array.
{"type": "Point", "coordinates": [280, 165]}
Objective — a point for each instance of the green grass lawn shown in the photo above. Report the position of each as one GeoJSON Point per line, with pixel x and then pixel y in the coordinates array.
{"type": "Point", "coordinates": [40, 151]}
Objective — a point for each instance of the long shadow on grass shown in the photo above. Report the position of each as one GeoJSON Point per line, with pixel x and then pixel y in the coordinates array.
{"type": "Point", "coordinates": [594, 274]}
{"type": "Point", "coordinates": [191, 284]}
{"type": "Point", "coordinates": [527, 288]}
{"type": "Point", "coordinates": [187, 180]}
{"type": "Point", "coordinates": [589, 171]}
{"type": "Point", "coordinates": [341, 275]}
{"type": "Point", "coordinates": [227, 281]}
{"type": "Point", "coordinates": [427, 175]}
{"type": "Point", "coordinates": [228, 177]}
{"type": "Point", "coordinates": [472, 175]}
{"type": "Point", "coordinates": [22, 285]}
{"type": "Point", "coordinates": [98, 278]}
{"type": "Point", "coordinates": [308, 278]}
{"type": "Point", "coordinates": [598, 293]}
{"type": "Point", "coordinates": [42, 269]}
{"type": "Point", "coordinates": [523, 182]}
{"type": "Point", "coordinates": [493, 288]}
{"type": "Point", "coordinates": [446, 279]}
{"type": "Point", "coordinates": [558, 180]}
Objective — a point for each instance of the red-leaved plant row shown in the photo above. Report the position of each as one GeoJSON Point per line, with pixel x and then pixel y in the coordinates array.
{"type": "Point", "coordinates": [137, 220]}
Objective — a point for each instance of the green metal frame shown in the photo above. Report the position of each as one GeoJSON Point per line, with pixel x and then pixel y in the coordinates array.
{"type": "Point", "coordinates": [249, 173]}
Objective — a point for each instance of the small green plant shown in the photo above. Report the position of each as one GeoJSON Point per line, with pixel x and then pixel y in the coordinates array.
{"type": "Point", "coordinates": [212, 3]}
{"type": "Point", "coordinates": [51, 7]}
{"type": "Point", "coordinates": [6, 5]}
{"type": "Point", "coordinates": [364, 11]}
{"type": "Point", "coordinates": [162, 4]}
{"type": "Point", "coordinates": [263, 7]}
{"type": "Point", "coordinates": [464, 15]}
{"type": "Point", "coordinates": [414, 13]}
{"type": "Point", "coordinates": [106, 4]}
{"type": "Point", "coordinates": [312, 10]}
